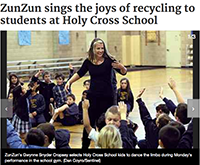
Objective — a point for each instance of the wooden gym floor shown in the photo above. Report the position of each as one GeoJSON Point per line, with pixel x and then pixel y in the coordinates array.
{"type": "Point", "coordinates": [152, 80]}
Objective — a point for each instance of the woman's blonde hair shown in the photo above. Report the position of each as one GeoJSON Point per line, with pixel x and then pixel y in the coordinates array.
{"type": "Point", "coordinates": [91, 55]}
{"type": "Point", "coordinates": [109, 137]}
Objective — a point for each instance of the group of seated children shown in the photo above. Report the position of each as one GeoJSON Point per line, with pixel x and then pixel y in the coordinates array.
{"type": "Point", "coordinates": [31, 108]}
{"type": "Point", "coordinates": [114, 130]}
{"type": "Point", "coordinates": [163, 131]}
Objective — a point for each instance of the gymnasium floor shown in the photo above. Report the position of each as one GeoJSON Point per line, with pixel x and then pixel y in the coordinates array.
{"type": "Point", "coordinates": [152, 80]}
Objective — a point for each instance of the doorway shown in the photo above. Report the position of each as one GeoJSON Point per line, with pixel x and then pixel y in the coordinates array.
{"type": "Point", "coordinates": [173, 49]}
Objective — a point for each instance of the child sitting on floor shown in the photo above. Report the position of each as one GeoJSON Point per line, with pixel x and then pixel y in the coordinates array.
{"type": "Point", "coordinates": [169, 137]}
{"type": "Point", "coordinates": [109, 137]}
{"type": "Point", "coordinates": [151, 126]}
{"type": "Point", "coordinates": [68, 113]}
{"type": "Point", "coordinates": [37, 106]}
{"type": "Point", "coordinates": [86, 84]}
{"type": "Point", "coordinates": [80, 115]}
{"type": "Point", "coordinates": [49, 131]}
{"type": "Point", "coordinates": [180, 111]}
{"type": "Point", "coordinates": [125, 94]}
{"type": "Point", "coordinates": [115, 115]}
{"type": "Point", "coordinates": [35, 137]}
{"type": "Point", "coordinates": [59, 92]}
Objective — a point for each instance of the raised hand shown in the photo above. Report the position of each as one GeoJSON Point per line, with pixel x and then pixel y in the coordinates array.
{"type": "Point", "coordinates": [172, 83]}
{"type": "Point", "coordinates": [161, 95]}
{"type": "Point", "coordinates": [117, 65]}
{"type": "Point", "coordinates": [85, 104]}
{"type": "Point", "coordinates": [86, 120]}
{"type": "Point", "coordinates": [41, 70]}
{"type": "Point", "coordinates": [71, 66]}
{"type": "Point", "coordinates": [122, 109]}
{"type": "Point", "coordinates": [141, 93]}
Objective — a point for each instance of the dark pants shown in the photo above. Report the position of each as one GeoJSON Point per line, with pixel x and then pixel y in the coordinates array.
{"type": "Point", "coordinates": [67, 120]}
{"type": "Point", "coordinates": [38, 120]}
{"type": "Point", "coordinates": [46, 112]}
{"type": "Point", "coordinates": [98, 105]}
{"type": "Point", "coordinates": [142, 144]}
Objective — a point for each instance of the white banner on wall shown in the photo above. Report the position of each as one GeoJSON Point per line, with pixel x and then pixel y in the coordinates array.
{"type": "Point", "coordinates": [99, 15]}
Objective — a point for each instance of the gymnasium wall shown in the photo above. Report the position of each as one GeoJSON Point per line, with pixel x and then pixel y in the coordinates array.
{"type": "Point", "coordinates": [76, 47]}
{"type": "Point", "coordinates": [114, 43]}
{"type": "Point", "coordinates": [152, 53]}
{"type": "Point", "coordinates": [41, 46]}
{"type": "Point", "coordinates": [44, 44]}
